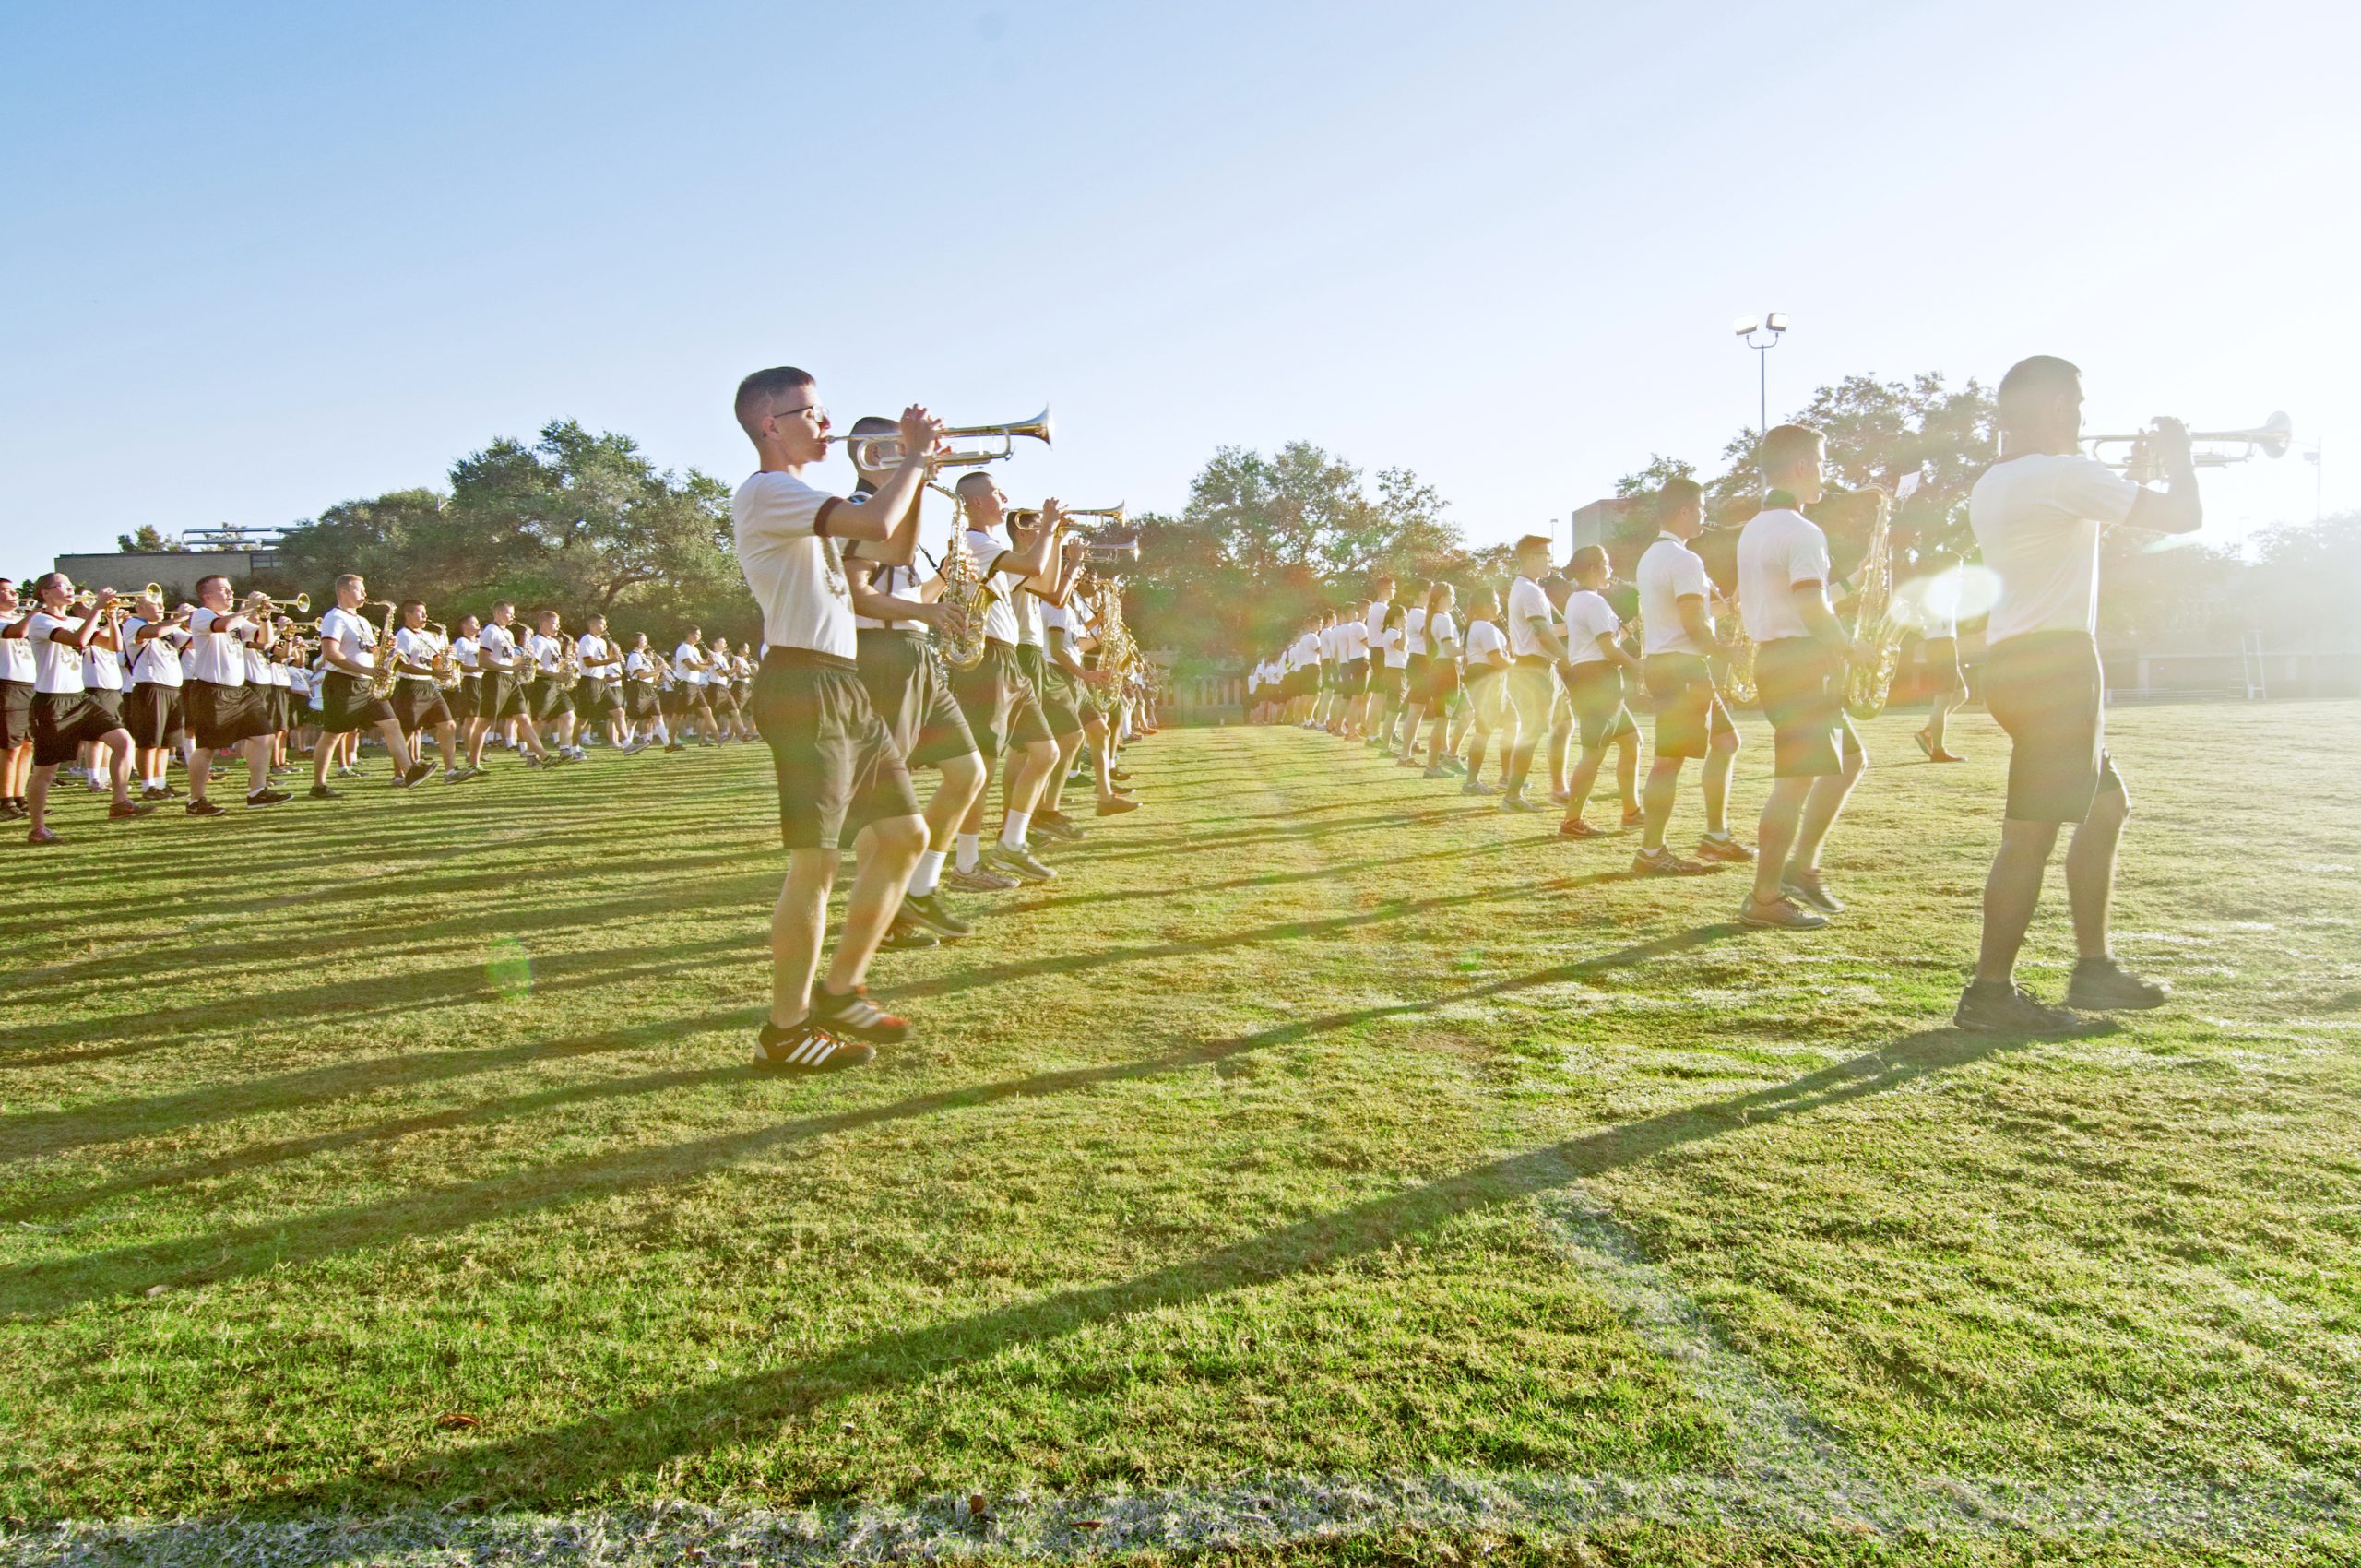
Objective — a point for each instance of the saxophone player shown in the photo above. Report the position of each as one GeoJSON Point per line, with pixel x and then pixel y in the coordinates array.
{"type": "Point", "coordinates": [418, 700]}
{"type": "Point", "coordinates": [350, 646]}
{"type": "Point", "coordinates": [892, 612]}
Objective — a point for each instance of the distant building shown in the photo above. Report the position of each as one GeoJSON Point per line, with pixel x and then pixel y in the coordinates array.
{"type": "Point", "coordinates": [1602, 522]}
{"type": "Point", "coordinates": [176, 571]}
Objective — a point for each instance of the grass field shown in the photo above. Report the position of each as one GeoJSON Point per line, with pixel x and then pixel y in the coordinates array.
{"type": "Point", "coordinates": [1324, 1168]}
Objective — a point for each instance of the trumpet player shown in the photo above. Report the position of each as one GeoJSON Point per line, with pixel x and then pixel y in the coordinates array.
{"type": "Point", "coordinates": [64, 714]}
{"type": "Point", "coordinates": [16, 699]}
{"type": "Point", "coordinates": [892, 612]}
{"type": "Point", "coordinates": [599, 698]}
{"type": "Point", "coordinates": [691, 675]}
{"type": "Point", "coordinates": [1676, 645]}
{"type": "Point", "coordinates": [505, 668]}
{"type": "Point", "coordinates": [1062, 621]}
{"type": "Point", "coordinates": [152, 713]}
{"type": "Point", "coordinates": [418, 698]}
{"type": "Point", "coordinates": [464, 700]}
{"type": "Point", "coordinates": [550, 708]}
{"type": "Point", "coordinates": [643, 707]}
{"type": "Point", "coordinates": [1003, 712]}
{"type": "Point", "coordinates": [349, 702]}
{"type": "Point", "coordinates": [2038, 515]}
{"type": "Point", "coordinates": [1801, 653]}
{"type": "Point", "coordinates": [225, 712]}
{"type": "Point", "coordinates": [839, 773]}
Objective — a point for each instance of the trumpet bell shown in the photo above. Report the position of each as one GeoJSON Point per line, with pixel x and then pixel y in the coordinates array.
{"type": "Point", "coordinates": [154, 591]}
{"type": "Point", "coordinates": [884, 449]}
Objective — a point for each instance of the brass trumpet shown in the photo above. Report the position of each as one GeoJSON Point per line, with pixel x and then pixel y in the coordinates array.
{"type": "Point", "coordinates": [154, 591]}
{"type": "Point", "coordinates": [300, 604]}
{"type": "Point", "coordinates": [884, 449]}
{"type": "Point", "coordinates": [2142, 462]}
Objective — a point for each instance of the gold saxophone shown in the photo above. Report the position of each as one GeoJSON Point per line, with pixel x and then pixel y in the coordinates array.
{"type": "Point", "coordinates": [386, 672]}
{"type": "Point", "coordinates": [1868, 682]}
{"type": "Point", "coordinates": [964, 590]}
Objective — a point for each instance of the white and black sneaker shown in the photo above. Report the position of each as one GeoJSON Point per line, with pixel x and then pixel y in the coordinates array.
{"type": "Point", "coordinates": [806, 1048]}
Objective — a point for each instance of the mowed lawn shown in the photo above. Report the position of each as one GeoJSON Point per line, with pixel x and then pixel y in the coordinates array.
{"type": "Point", "coordinates": [1316, 1121]}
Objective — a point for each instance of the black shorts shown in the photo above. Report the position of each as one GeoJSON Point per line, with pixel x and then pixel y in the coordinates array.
{"type": "Point", "coordinates": [503, 697]}
{"type": "Point", "coordinates": [1940, 655]}
{"type": "Point", "coordinates": [278, 708]}
{"type": "Point", "coordinates": [2047, 690]}
{"type": "Point", "coordinates": [16, 714]}
{"type": "Point", "coordinates": [152, 714]}
{"type": "Point", "coordinates": [109, 702]}
{"type": "Point", "coordinates": [1298, 683]}
{"type": "Point", "coordinates": [1414, 678]}
{"type": "Point", "coordinates": [1689, 710]}
{"type": "Point", "coordinates": [838, 771]}
{"type": "Point", "coordinates": [1801, 682]}
{"type": "Point", "coordinates": [1058, 710]}
{"type": "Point", "coordinates": [346, 705]}
{"type": "Point", "coordinates": [418, 705]}
{"type": "Point", "coordinates": [910, 693]}
{"type": "Point", "coordinates": [1442, 680]}
{"type": "Point", "coordinates": [1003, 709]}
{"type": "Point", "coordinates": [466, 699]}
{"type": "Point", "coordinates": [640, 700]}
{"type": "Point", "coordinates": [63, 721]}
{"type": "Point", "coordinates": [722, 697]}
{"type": "Point", "coordinates": [221, 716]}
{"type": "Point", "coordinates": [595, 700]}
{"type": "Point", "coordinates": [545, 699]}
{"type": "Point", "coordinates": [1594, 689]}
{"type": "Point", "coordinates": [1388, 680]}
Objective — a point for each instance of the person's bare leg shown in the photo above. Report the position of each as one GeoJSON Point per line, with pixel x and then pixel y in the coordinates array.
{"type": "Point", "coordinates": [2011, 893]}
{"type": "Point", "coordinates": [798, 921]}
{"type": "Point", "coordinates": [1822, 808]}
{"type": "Point", "coordinates": [958, 789]}
{"type": "Point", "coordinates": [390, 731]}
{"type": "Point", "coordinates": [1721, 759]}
{"type": "Point", "coordinates": [37, 797]}
{"type": "Point", "coordinates": [1578, 784]}
{"type": "Point", "coordinates": [1021, 787]}
{"type": "Point", "coordinates": [884, 857]}
{"type": "Point", "coordinates": [2090, 870]}
{"type": "Point", "coordinates": [1775, 833]}
{"type": "Point", "coordinates": [446, 741]}
{"type": "Point", "coordinates": [1664, 789]}
{"type": "Point", "coordinates": [119, 744]}
{"type": "Point", "coordinates": [1557, 741]}
{"type": "Point", "coordinates": [1053, 789]}
{"type": "Point", "coordinates": [201, 773]}
{"type": "Point", "coordinates": [257, 752]}
{"type": "Point", "coordinates": [1627, 770]}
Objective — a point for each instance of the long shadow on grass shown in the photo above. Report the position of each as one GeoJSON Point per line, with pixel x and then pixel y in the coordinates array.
{"type": "Point", "coordinates": [42, 1289]}
{"type": "Point", "coordinates": [558, 1465]}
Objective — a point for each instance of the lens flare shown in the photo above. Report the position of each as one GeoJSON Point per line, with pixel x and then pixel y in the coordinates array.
{"type": "Point", "coordinates": [1945, 599]}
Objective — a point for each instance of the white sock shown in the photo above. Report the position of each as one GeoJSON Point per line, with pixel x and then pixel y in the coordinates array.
{"type": "Point", "coordinates": [929, 873]}
{"type": "Point", "coordinates": [1012, 829]}
{"type": "Point", "coordinates": [1721, 838]}
{"type": "Point", "coordinates": [969, 851]}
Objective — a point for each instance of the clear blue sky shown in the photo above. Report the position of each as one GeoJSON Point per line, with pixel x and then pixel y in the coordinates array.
{"type": "Point", "coordinates": [264, 257]}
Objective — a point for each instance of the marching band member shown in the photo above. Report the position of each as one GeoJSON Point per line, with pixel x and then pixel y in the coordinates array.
{"type": "Point", "coordinates": [1939, 648]}
{"type": "Point", "coordinates": [16, 700]}
{"type": "Point", "coordinates": [1441, 680]}
{"type": "Point", "coordinates": [549, 707]}
{"type": "Point", "coordinates": [1030, 602]}
{"type": "Point", "coordinates": [1535, 651]}
{"type": "Point", "coordinates": [152, 713]}
{"type": "Point", "coordinates": [599, 698]}
{"type": "Point", "coordinates": [418, 700]}
{"type": "Point", "coordinates": [223, 713]}
{"type": "Point", "coordinates": [838, 771]}
{"type": "Point", "coordinates": [1071, 678]}
{"type": "Point", "coordinates": [1389, 653]}
{"type": "Point", "coordinates": [466, 699]}
{"type": "Point", "coordinates": [691, 675]}
{"type": "Point", "coordinates": [1677, 642]}
{"type": "Point", "coordinates": [1800, 656]}
{"type": "Point", "coordinates": [2038, 515]}
{"type": "Point", "coordinates": [64, 715]}
{"type": "Point", "coordinates": [1372, 713]}
{"type": "Point", "coordinates": [349, 646]}
{"type": "Point", "coordinates": [1329, 700]}
{"type": "Point", "coordinates": [643, 718]}
{"type": "Point", "coordinates": [1004, 711]}
{"type": "Point", "coordinates": [1488, 667]}
{"type": "Point", "coordinates": [102, 683]}
{"type": "Point", "coordinates": [1352, 643]}
{"type": "Point", "coordinates": [1401, 735]}
{"type": "Point", "coordinates": [1595, 661]}
{"type": "Point", "coordinates": [504, 667]}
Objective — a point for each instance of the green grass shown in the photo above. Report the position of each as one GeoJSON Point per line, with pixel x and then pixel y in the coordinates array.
{"type": "Point", "coordinates": [1317, 1122]}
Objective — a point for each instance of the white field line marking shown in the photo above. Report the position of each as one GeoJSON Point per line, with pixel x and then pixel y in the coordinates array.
{"type": "Point", "coordinates": [1272, 1512]}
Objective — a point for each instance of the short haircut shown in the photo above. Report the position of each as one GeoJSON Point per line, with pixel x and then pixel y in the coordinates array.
{"type": "Point", "coordinates": [1382, 577]}
{"type": "Point", "coordinates": [347, 580]}
{"type": "Point", "coordinates": [977, 477]}
{"type": "Point", "coordinates": [411, 604]}
{"type": "Point", "coordinates": [500, 604]}
{"type": "Point", "coordinates": [1676, 495]}
{"type": "Point", "coordinates": [465, 619]}
{"type": "Point", "coordinates": [2030, 384]}
{"type": "Point", "coordinates": [1531, 542]}
{"type": "Point", "coordinates": [873, 424]}
{"type": "Point", "coordinates": [545, 615]}
{"type": "Point", "coordinates": [1786, 444]}
{"type": "Point", "coordinates": [1590, 557]}
{"type": "Point", "coordinates": [594, 615]}
{"type": "Point", "coordinates": [210, 577]}
{"type": "Point", "coordinates": [759, 390]}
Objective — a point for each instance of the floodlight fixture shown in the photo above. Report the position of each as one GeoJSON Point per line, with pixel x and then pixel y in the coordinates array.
{"type": "Point", "coordinates": [1776, 321]}
{"type": "Point", "coordinates": [1747, 325]}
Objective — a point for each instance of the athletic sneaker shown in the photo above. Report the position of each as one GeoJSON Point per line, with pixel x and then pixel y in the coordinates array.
{"type": "Point", "coordinates": [1518, 803]}
{"type": "Point", "coordinates": [1727, 851]}
{"type": "Point", "coordinates": [980, 880]}
{"type": "Point", "coordinates": [322, 792]}
{"type": "Point", "coordinates": [418, 773]}
{"type": "Point", "coordinates": [1436, 770]}
{"type": "Point", "coordinates": [902, 936]}
{"type": "Point", "coordinates": [531, 761]}
{"type": "Point", "coordinates": [2103, 985]}
{"type": "Point", "coordinates": [1116, 805]}
{"type": "Point", "coordinates": [1019, 864]}
{"type": "Point", "coordinates": [205, 808]}
{"type": "Point", "coordinates": [1999, 1007]}
{"type": "Point", "coordinates": [1808, 888]}
{"type": "Point", "coordinates": [927, 910]}
{"type": "Point", "coordinates": [1575, 827]}
{"type": "Point", "coordinates": [1478, 786]}
{"type": "Point", "coordinates": [1055, 825]}
{"type": "Point", "coordinates": [1782, 913]}
{"type": "Point", "coordinates": [674, 746]}
{"type": "Point", "coordinates": [122, 810]}
{"type": "Point", "coordinates": [153, 793]}
{"type": "Point", "coordinates": [1634, 817]}
{"type": "Point", "coordinates": [41, 835]}
{"type": "Point", "coordinates": [471, 773]}
{"type": "Point", "coordinates": [1664, 863]}
{"type": "Point", "coordinates": [1561, 796]}
{"type": "Point", "coordinates": [854, 1016]}
{"type": "Point", "coordinates": [267, 797]}
{"type": "Point", "coordinates": [802, 1048]}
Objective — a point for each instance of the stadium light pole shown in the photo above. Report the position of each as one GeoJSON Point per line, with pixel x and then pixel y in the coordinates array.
{"type": "Point", "coordinates": [1775, 323]}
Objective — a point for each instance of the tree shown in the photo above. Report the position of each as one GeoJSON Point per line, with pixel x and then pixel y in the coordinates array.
{"type": "Point", "coordinates": [147, 540]}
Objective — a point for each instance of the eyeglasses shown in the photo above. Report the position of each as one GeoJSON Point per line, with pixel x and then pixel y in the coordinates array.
{"type": "Point", "coordinates": [819, 413]}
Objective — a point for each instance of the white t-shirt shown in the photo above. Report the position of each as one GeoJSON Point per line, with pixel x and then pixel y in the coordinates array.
{"type": "Point", "coordinates": [546, 652]}
{"type": "Point", "coordinates": [15, 653]}
{"type": "Point", "coordinates": [103, 668]}
{"type": "Point", "coordinates": [1414, 626]}
{"type": "Point", "coordinates": [1669, 572]}
{"type": "Point", "coordinates": [1484, 639]}
{"type": "Point", "coordinates": [346, 632]}
{"type": "Point", "coordinates": [258, 666]}
{"type": "Point", "coordinates": [1328, 644]}
{"type": "Point", "coordinates": [417, 647]}
{"type": "Point", "coordinates": [1588, 616]}
{"type": "Point", "coordinates": [899, 582]}
{"type": "Point", "coordinates": [157, 661]}
{"type": "Point", "coordinates": [1527, 603]}
{"type": "Point", "coordinates": [1306, 649]}
{"type": "Point", "coordinates": [1027, 607]}
{"type": "Point", "coordinates": [999, 616]}
{"type": "Point", "coordinates": [793, 569]}
{"type": "Point", "coordinates": [1374, 622]}
{"type": "Point", "coordinates": [56, 666]}
{"type": "Point", "coordinates": [496, 645]}
{"type": "Point", "coordinates": [1776, 550]}
{"type": "Point", "coordinates": [463, 652]}
{"type": "Point", "coordinates": [2038, 519]}
{"type": "Point", "coordinates": [1352, 640]}
{"type": "Point", "coordinates": [591, 649]}
{"type": "Point", "coordinates": [637, 665]}
{"type": "Point", "coordinates": [688, 664]}
{"type": "Point", "coordinates": [1440, 630]}
{"type": "Point", "coordinates": [213, 654]}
